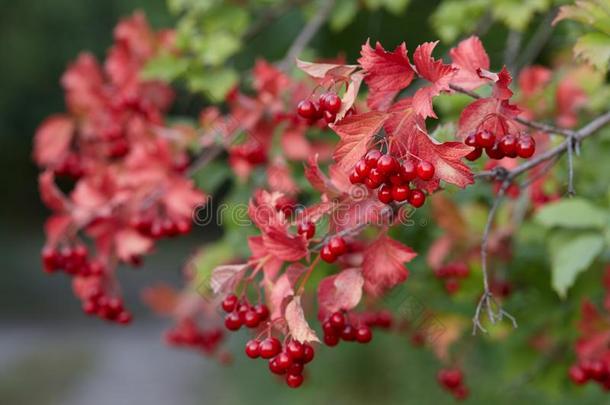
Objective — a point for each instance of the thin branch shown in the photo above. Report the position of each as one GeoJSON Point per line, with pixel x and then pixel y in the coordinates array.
{"type": "Point", "coordinates": [513, 45]}
{"type": "Point", "coordinates": [537, 42]}
{"type": "Point", "coordinates": [307, 34]}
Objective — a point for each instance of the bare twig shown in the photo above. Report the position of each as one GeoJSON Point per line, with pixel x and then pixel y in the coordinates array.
{"type": "Point", "coordinates": [307, 34]}
{"type": "Point", "coordinates": [513, 46]}
{"type": "Point", "coordinates": [537, 42]}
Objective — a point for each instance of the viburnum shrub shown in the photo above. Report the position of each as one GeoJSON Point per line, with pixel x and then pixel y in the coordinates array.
{"type": "Point", "coordinates": [116, 174]}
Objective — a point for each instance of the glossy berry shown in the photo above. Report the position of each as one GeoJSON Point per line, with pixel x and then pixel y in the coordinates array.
{"type": "Point", "coordinates": [376, 176]}
{"type": "Point", "coordinates": [425, 170]}
{"type": "Point", "coordinates": [262, 311]}
{"type": "Point", "coordinates": [270, 347]}
{"type": "Point", "coordinates": [294, 380]}
{"type": "Point", "coordinates": [332, 103]}
{"type": "Point", "coordinates": [295, 368]}
{"type": "Point", "coordinates": [229, 303]}
{"type": "Point", "coordinates": [362, 168]}
{"type": "Point", "coordinates": [396, 179]}
{"type": "Point", "coordinates": [331, 340]}
{"type": "Point", "coordinates": [400, 193]}
{"type": "Point", "coordinates": [327, 255]}
{"type": "Point", "coordinates": [348, 333]}
{"type": "Point", "coordinates": [283, 360]}
{"type": "Point", "coordinates": [308, 353]}
{"type": "Point", "coordinates": [474, 154]}
{"type": "Point", "coordinates": [384, 194]}
{"type": "Point", "coordinates": [329, 117]}
{"type": "Point", "coordinates": [337, 321]}
{"type": "Point", "coordinates": [307, 109]}
{"type": "Point", "coordinates": [337, 245]}
{"type": "Point", "coordinates": [577, 375]}
{"type": "Point", "coordinates": [363, 334]}
{"type": "Point", "coordinates": [233, 321]}
{"type": "Point", "coordinates": [408, 170]}
{"type": "Point", "coordinates": [295, 350]}
{"type": "Point", "coordinates": [371, 157]}
{"type": "Point", "coordinates": [275, 367]}
{"type": "Point", "coordinates": [526, 147]}
{"type": "Point", "coordinates": [485, 139]}
{"type": "Point", "coordinates": [417, 198]}
{"type": "Point", "coordinates": [307, 228]}
{"type": "Point", "coordinates": [253, 349]}
{"type": "Point", "coordinates": [450, 378]}
{"type": "Point", "coordinates": [470, 140]}
{"type": "Point", "coordinates": [494, 152]}
{"type": "Point", "coordinates": [251, 319]}
{"type": "Point", "coordinates": [508, 146]}
{"type": "Point", "coordinates": [355, 178]}
{"type": "Point", "coordinates": [387, 165]}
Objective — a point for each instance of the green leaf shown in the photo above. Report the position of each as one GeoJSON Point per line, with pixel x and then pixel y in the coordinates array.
{"type": "Point", "coordinates": [206, 260]}
{"type": "Point", "coordinates": [517, 14]}
{"type": "Point", "coordinates": [212, 176]}
{"type": "Point", "coordinates": [165, 67]}
{"type": "Point", "coordinates": [343, 14]}
{"type": "Point", "coordinates": [214, 83]}
{"type": "Point", "coordinates": [571, 253]}
{"type": "Point", "coordinates": [575, 213]}
{"type": "Point", "coordinates": [592, 13]}
{"type": "Point", "coordinates": [594, 48]}
{"type": "Point", "coordinates": [455, 17]}
{"type": "Point", "coordinates": [396, 7]}
{"type": "Point", "coordinates": [215, 48]}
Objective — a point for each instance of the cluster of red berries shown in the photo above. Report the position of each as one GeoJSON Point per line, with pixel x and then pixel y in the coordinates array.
{"type": "Point", "coordinates": [510, 146]}
{"type": "Point", "coordinates": [382, 319]}
{"type": "Point", "coordinates": [452, 380]}
{"type": "Point", "coordinates": [391, 178]}
{"type": "Point", "coordinates": [187, 334]}
{"type": "Point", "coordinates": [158, 228]}
{"type": "Point", "coordinates": [327, 107]}
{"type": "Point", "coordinates": [451, 274]}
{"type": "Point", "coordinates": [591, 370]}
{"type": "Point", "coordinates": [288, 360]}
{"type": "Point", "coordinates": [98, 302]}
{"type": "Point", "coordinates": [338, 327]}
{"type": "Point", "coordinates": [72, 260]}
{"type": "Point", "coordinates": [242, 313]}
{"type": "Point", "coordinates": [252, 152]}
{"type": "Point", "coordinates": [335, 247]}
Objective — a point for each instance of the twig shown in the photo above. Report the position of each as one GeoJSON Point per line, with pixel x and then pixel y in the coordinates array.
{"type": "Point", "coordinates": [537, 42]}
{"type": "Point", "coordinates": [307, 34]}
{"type": "Point", "coordinates": [513, 45]}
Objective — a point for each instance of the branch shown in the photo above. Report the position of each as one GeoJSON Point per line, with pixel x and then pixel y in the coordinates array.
{"type": "Point", "coordinates": [537, 42]}
{"type": "Point", "coordinates": [307, 34]}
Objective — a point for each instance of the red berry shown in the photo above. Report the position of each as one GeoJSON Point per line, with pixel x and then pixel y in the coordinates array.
{"type": "Point", "coordinates": [308, 353]}
{"type": "Point", "coordinates": [384, 194]}
{"type": "Point", "coordinates": [251, 319]}
{"type": "Point", "coordinates": [262, 311]}
{"type": "Point", "coordinates": [307, 109]}
{"type": "Point", "coordinates": [417, 198]}
{"type": "Point", "coordinates": [376, 176]}
{"type": "Point", "coordinates": [371, 157]}
{"type": "Point", "coordinates": [327, 255]}
{"type": "Point", "coordinates": [363, 334]}
{"type": "Point", "coordinates": [461, 392]}
{"type": "Point", "coordinates": [387, 165]}
{"type": "Point", "coordinates": [362, 168]}
{"type": "Point", "coordinates": [425, 170]}
{"type": "Point", "coordinates": [526, 147]}
{"type": "Point", "coordinates": [331, 340]}
{"type": "Point", "coordinates": [371, 184]}
{"type": "Point", "coordinates": [494, 152]}
{"type": "Point", "coordinates": [470, 140]}
{"type": "Point", "coordinates": [485, 139]}
{"type": "Point", "coordinates": [355, 178]}
{"type": "Point", "coordinates": [474, 154]}
{"type": "Point", "coordinates": [274, 366]}
{"type": "Point", "coordinates": [307, 228]}
{"type": "Point", "coordinates": [337, 320]}
{"type": "Point", "coordinates": [270, 347]}
{"type": "Point", "coordinates": [295, 350]}
{"type": "Point", "coordinates": [294, 380]}
{"type": "Point", "coordinates": [400, 193]}
{"type": "Point", "coordinates": [348, 333]}
{"type": "Point", "coordinates": [508, 146]}
{"type": "Point", "coordinates": [337, 245]}
{"type": "Point", "coordinates": [295, 368]}
{"type": "Point", "coordinates": [124, 318]}
{"type": "Point", "coordinates": [284, 360]}
{"type": "Point", "coordinates": [229, 303]}
{"type": "Point", "coordinates": [253, 349]}
{"type": "Point", "coordinates": [329, 117]}
{"type": "Point", "coordinates": [408, 170]}
{"type": "Point", "coordinates": [396, 179]}
{"type": "Point", "coordinates": [577, 375]}
{"type": "Point", "coordinates": [332, 103]}
{"type": "Point", "coordinates": [450, 378]}
{"type": "Point", "coordinates": [233, 321]}
{"type": "Point", "coordinates": [328, 329]}
{"type": "Point", "coordinates": [452, 286]}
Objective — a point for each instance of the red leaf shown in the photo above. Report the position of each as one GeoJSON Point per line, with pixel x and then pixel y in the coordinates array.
{"type": "Point", "coordinates": [297, 324]}
{"type": "Point", "coordinates": [387, 73]}
{"type": "Point", "coordinates": [356, 133]}
{"type": "Point", "coordinates": [409, 138]}
{"type": "Point", "coordinates": [282, 245]}
{"type": "Point", "coordinates": [56, 227]}
{"type": "Point", "coordinates": [130, 244]}
{"type": "Point", "coordinates": [533, 79]}
{"type": "Point", "coordinates": [341, 291]}
{"type": "Point", "coordinates": [490, 114]}
{"type": "Point", "coordinates": [469, 56]}
{"type": "Point", "coordinates": [283, 288]}
{"type": "Point", "coordinates": [50, 194]}
{"type": "Point", "coordinates": [434, 71]}
{"type": "Point", "coordinates": [279, 178]}
{"type": "Point", "coordinates": [349, 97]}
{"type": "Point", "coordinates": [383, 265]}
{"type": "Point", "coordinates": [52, 140]}
{"type": "Point", "coordinates": [323, 70]}
{"type": "Point", "coordinates": [225, 278]}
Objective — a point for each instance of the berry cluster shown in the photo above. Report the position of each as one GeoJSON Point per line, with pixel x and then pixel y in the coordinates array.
{"type": "Point", "coordinates": [187, 334]}
{"type": "Point", "coordinates": [392, 178]}
{"type": "Point", "coordinates": [157, 228]}
{"type": "Point", "coordinates": [452, 380]}
{"type": "Point", "coordinates": [72, 260]}
{"type": "Point", "coordinates": [510, 146]}
{"type": "Point", "coordinates": [451, 274]}
{"type": "Point", "coordinates": [591, 370]}
{"type": "Point", "coordinates": [288, 360]}
{"type": "Point", "coordinates": [327, 107]}
{"type": "Point", "coordinates": [307, 228]}
{"type": "Point", "coordinates": [242, 313]}
{"type": "Point", "coordinates": [98, 301]}
{"type": "Point", "coordinates": [252, 152]}
{"type": "Point", "coordinates": [338, 327]}
{"type": "Point", "coordinates": [335, 247]}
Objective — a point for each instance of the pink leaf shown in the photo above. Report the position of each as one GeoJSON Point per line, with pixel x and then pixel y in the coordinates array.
{"type": "Point", "coordinates": [282, 245]}
{"type": "Point", "coordinates": [283, 288]}
{"type": "Point", "coordinates": [387, 73]}
{"type": "Point", "coordinates": [356, 133]}
{"type": "Point", "coordinates": [383, 265]}
{"type": "Point", "coordinates": [341, 291]}
{"type": "Point", "coordinates": [469, 56]}
{"type": "Point", "coordinates": [225, 278]}
{"type": "Point", "coordinates": [533, 79]}
{"type": "Point", "coordinates": [297, 324]}
{"type": "Point", "coordinates": [322, 70]}
{"type": "Point", "coordinates": [56, 228]}
{"type": "Point", "coordinates": [349, 97]}
{"type": "Point", "coordinates": [434, 71]}
{"type": "Point", "coordinates": [52, 140]}
{"type": "Point", "coordinates": [317, 178]}
{"type": "Point", "coordinates": [131, 244]}
{"type": "Point", "coordinates": [50, 194]}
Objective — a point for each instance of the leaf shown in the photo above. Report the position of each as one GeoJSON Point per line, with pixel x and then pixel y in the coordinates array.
{"type": "Point", "coordinates": [322, 70]}
{"type": "Point", "coordinates": [283, 288]}
{"type": "Point", "coordinates": [215, 83]}
{"type": "Point", "coordinates": [594, 48]}
{"type": "Point", "coordinates": [50, 194]}
{"type": "Point", "coordinates": [350, 95]}
{"type": "Point", "coordinates": [317, 178]}
{"type": "Point", "coordinates": [517, 14]}
{"type": "Point", "coordinates": [131, 244]}
{"type": "Point", "coordinates": [383, 264]}
{"type": "Point", "coordinates": [469, 56]}
{"type": "Point", "coordinates": [297, 324]}
{"type": "Point", "coordinates": [387, 73]}
{"type": "Point", "coordinates": [434, 71]}
{"type": "Point", "coordinates": [282, 245]}
{"type": "Point", "coordinates": [225, 278]}
{"type": "Point", "coordinates": [343, 14]}
{"type": "Point", "coordinates": [409, 137]}
{"type": "Point", "coordinates": [356, 133]}
{"type": "Point", "coordinates": [52, 140]}
{"type": "Point", "coordinates": [592, 13]}
{"type": "Point", "coordinates": [573, 213]}
{"type": "Point", "coordinates": [572, 253]}
{"type": "Point", "coordinates": [340, 292]}
{"type": "Point", "coordinates": [453, 18]}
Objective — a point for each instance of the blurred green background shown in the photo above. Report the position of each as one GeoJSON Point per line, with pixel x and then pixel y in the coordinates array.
{"type": "Point", "coordinates": [51, 354]}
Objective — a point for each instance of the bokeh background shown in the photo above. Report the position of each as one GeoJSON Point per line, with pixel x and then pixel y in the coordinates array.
{"type": "Point", "coordinates": [50, 353]}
